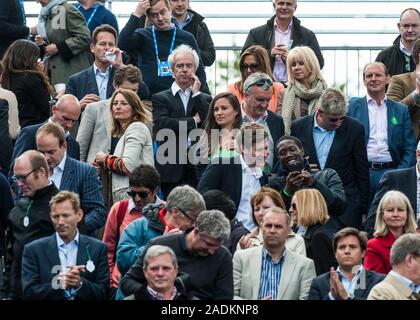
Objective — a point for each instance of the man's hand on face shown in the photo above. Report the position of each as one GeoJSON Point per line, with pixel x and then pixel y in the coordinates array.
{"type": "Point", "coordinates": [196, 84]}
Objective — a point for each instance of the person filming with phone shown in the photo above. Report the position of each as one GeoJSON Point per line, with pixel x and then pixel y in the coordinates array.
{"type": "Point", "coordinates": [296, 174]}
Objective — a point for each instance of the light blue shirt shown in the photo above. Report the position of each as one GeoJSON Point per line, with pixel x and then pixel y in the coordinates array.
{"type": "Point", "coordinates": [413, 287]}
{"type": "Point", "coordinates": [102, 80]}
{"type": "Point", "coordinates": [68, 256]}
{"type": "Point", "coordinates": [323, 140]}
{"type": "Point", "coordinates": [185, 22]}
{"type": "Point", "coordinates": [349, 285]}
{"type": "Point", "coordinates": [270, 275]}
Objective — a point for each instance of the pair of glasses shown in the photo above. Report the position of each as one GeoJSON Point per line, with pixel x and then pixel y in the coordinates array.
{"type": "Point", "coordinates": [333, 119]}
{"type": "Point", "coordinates": [22, 179]}
{"type": "Point", "coordinates": [260, 83]}
{"type": "Point", "coordinates": [141, 194]}
{"type": "Point", "coordinates": [252, 66]}
{"type": "Point", "coordinates": [293, 205]}
{"type": "Point", "coordinates": [185, 214]}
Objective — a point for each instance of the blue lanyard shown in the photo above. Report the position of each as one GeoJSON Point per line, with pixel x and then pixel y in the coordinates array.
{"type": "Point", "coordinates": [92, 14]}
{"type": "Point", "coordinates": [155, 43]}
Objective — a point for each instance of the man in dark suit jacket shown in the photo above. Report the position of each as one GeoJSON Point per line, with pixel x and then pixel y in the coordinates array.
{"type": "Point", "coordinates": [182, 108]}
{"type": "Point", "coordinates": [12, 23]}
{"type": "Point", "coordinates": [291, 29]}
{"type": "Point", "coordinates": [72, 175]}
{"type": "Point", "coordinates": [350, 281]}
{"type": "Point", "coordinates": [5, 141]}
{"type": "Point", "coordinates": [332, 140]}
{"type": "Point", "coordinates": [51, 269]}
{"type": "Point", "coordinates": [240, 177]}
{"type": "Point", "coordinates": [389, 137]}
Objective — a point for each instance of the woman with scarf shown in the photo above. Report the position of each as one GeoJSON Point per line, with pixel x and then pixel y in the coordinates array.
{"type": "Point", "coordinates": [63, 34]}
{"type": "Point", "coordinates": [304, 87]}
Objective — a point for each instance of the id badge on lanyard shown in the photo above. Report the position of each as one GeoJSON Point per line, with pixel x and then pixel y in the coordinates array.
{"type": "Point", "coordinates": [163, 67]}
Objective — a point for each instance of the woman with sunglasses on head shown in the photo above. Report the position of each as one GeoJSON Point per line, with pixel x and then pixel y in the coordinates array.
{"type": "Point", "coordinates": [256, 59]}
{"type": "Point", "coordinates": [131, 143]}
{"type": "Point", "coordinates": [223, 120]}
{"type": "Point", "coordinates": [305, 85]}
{"type": "Point", "coordinates": [309, 208]}
{"type": "Point", "coordinates": [260, 202]}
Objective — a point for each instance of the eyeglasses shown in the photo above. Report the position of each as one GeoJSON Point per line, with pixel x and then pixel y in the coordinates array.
{"type": "Point", "coordinates": [332, 119]}
{"type": "Point", "coordinates": [185, 214]}
{"type": "Point", "coordinates": [252, 66]}
{"type": "Point", "coordinates": [22, 179]}
{"type": "Point", "coordinates": [141, 194]}
{"type": "Point", "coordinates": [293, 205]}
{"type": "Point", "coordinates": [260, 83]}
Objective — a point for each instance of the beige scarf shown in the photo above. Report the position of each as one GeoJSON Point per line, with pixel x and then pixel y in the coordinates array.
{"type": "Point", "coordinates": [299, 90]}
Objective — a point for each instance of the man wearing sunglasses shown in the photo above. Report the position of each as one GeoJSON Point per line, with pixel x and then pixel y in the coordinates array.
{"type": "Point", "coordinates": [183, 205]}
{"type": "Point", "coordinates": [29, 219]}
{"type": "Point", "coordinates": [333, 140]}
{"type": "Point", "coordinates": [390, 141]}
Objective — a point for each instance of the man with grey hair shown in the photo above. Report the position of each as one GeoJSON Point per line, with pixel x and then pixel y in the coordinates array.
{"type": "Point", "coordinates": [404, 180]}
{"type": "Point", "coordinates": [403, 281]}
{"type": "Point", "coordinates": [183, 205]}
{"type": "Point", "coordinates": [281, 33]}
{"type": "Point", "coordinates": [258, 89]}
{"type": "Point", "coordinates": [271, 271]}
{"type": "Point", "coordinates": [200, 254]}
{"type": "Point", "coordinates": [180, 109]}
{"type": "Point", "coordinates": [333, 140]}
{"type": "Point", "coordinates": [390, 141]}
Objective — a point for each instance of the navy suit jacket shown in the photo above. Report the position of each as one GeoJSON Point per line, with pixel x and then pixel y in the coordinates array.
{"type": "Point", "coordinates": [401, 140]}
{"type": "Point", "coordinates": [348, 157]}
{"type": "Point", "coordinates": [81, 178]}
{"type": "Point", "coordinates": [225, 177]}
{"type": "Point", "coordinates": [403, 180]}
{"type": "Point", "coordinates": [41, 256]}
{"type": "Point", "coordinates": [320, 286]}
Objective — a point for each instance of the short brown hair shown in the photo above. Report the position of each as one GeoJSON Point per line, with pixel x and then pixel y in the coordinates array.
{"type": "Point", "coordinates": [154, 2]}
{"type": "Point", "coordinates": [37, 160]}
{"type": "Point", "coordinates": [259, 196]}
{"type": "Point", "coordinates": [253, 131]}
{"type": "Point", "coordinates": [360, 235]}
{"type": "Point", "coordinates": [66, 196]}
{"type": "Point", "coordinates": [375, 63]}
{"type": "Point", "coordinates": [103, 28]}
{"type": "Point", "coordinates": [128, 73]}
{"type": "Point", "coordinates": [53, 128]}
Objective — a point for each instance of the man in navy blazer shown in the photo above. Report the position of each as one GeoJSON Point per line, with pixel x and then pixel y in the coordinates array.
{"type": "Point", "coordinates": [332, 140]}
{"type": "Point", "coordinates": [350, 281]}
{"type": "Point", "coordinates": [66, 265]}
{"type": "Point", "coordinates": [242, 176]}
{"type": "Point", "coordinates": [72, 175]}
{"type": "Point", "coordinates": [389, 136]}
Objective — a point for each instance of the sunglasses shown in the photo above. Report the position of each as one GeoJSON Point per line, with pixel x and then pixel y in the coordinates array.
{"type": "Point", "coordinates": [141, 194]}
{"type": "Point", "coordinates": [252, 66]}
{"type": "Point", "coordinates": [260, 83]}
{"type": "Point", "coordinates": [185, 214]}
{"type": "Point", "coordinates": [22, 179]}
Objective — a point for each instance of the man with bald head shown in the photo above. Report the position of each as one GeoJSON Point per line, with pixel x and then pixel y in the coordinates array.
{"type": "Point", "coordinates": [29, 219]}
{"type": "Point", "coordinates": [65, 112]}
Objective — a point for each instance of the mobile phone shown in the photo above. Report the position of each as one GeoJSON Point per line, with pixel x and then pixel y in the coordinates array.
{"type": "Point", "coordinates": [295, 165]}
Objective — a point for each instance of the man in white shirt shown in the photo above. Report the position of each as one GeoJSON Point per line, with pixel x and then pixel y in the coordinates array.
{"type": "Point", "coordinates": [80, 261]}
{"type": "Point", "coordinates": [403, 281]}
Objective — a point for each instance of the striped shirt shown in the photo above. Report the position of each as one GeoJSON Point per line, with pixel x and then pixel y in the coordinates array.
{"type": "Point", "coordinates": [270, 275]}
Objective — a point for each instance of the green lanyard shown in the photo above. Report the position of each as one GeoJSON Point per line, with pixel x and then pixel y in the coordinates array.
{"type": "Point", "coordinates": [26, 218]}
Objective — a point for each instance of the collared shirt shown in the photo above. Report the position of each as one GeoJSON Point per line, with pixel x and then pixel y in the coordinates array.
{"type": "Point", "coordinates": [377, 147]}
{"type": "Point", "coordinates": [349, 285]}
{"type": "Point", "coordinates": [279, 70]}
{"type": "Point", "coordinates": [418, 192]}
{"type": "Point", "coordinates": [413, 287]}
{"type": "Point", "coordinates": [186, 21]}
{"type": "Point", "coordinates": [68, 256]}
{"type": "Point", "coordinates": [250, 185]}
{"type": "Point", "coordinates": [158, 296]}
{"type": "Point", "coordinates": [270, 275]}
{"type": "Point", "coordinates": [262, 121]}
{"type": "Point", "coordinates": [58, 172]}
{"type": "Point", "coordinates": [102, 79]}
{"type": "Point", "coordinates": [404, 50]}
{"type": "Point", "coordinates": [323, 140]}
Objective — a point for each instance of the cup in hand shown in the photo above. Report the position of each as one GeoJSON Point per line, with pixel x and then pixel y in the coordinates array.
{"type": "Point", "coordinates": [60, 87]}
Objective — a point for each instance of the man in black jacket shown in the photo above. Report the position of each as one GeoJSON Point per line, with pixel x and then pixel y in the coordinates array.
{"type": "Point", "coordinates": [281, 33]}
{"type": "Point", "coordinates": [398, 58]}
{"type": "Point", "coordinates": [350, 281]}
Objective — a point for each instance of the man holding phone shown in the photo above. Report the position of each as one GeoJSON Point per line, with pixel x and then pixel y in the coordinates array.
{"type": "Point", "coordinates": [296, 174]}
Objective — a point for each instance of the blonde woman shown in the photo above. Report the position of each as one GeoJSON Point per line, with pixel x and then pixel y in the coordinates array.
{"type": "Point", "coordinates": [394, 217]}
{"type": "Point", "coordinates": [262, 201]}
{"type": "Point", "coordinates": [312, 214]}
{"type": "Point", "coordinates": [305, 85]}
{"type": "Point", "coordinates": [131, 143]}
